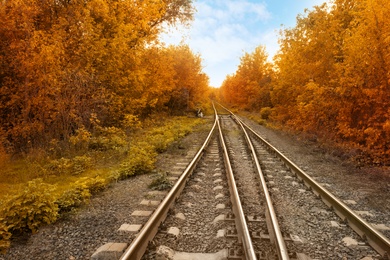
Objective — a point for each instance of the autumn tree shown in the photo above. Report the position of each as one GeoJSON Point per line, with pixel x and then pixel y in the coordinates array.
{"type": "Point", "coordinates": [191, 83]}
{"type": "Point", "coordinates": [172, 81]}
{"type": "Point", "coordinates": [364, 79]}
{"type": "Point", "coordinates": [305, 65]}
{"type": "Point", "coordinates": [249, 87]}
{"type": "Point", "coordinates": [331, 77]}
{"type": "Point", "coordinates": [228, 90]}
{"type": "Point", "coordinates": [65, 61]}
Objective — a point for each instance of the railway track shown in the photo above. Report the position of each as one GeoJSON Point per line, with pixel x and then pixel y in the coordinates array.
{"type": "Point", "coordinates": [281, 170]}
{"type": "Point", "coordinates": [221, 208]}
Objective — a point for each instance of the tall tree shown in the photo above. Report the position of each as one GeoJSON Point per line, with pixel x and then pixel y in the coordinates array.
{"type": "Point", "coordinates": [364, 78]}
{"type": "Point", "coordinates": [64, 61]}
{"type": "Point", "coordinates": [332, 76]}
{"type": "Point", "coordinates": [250, 86]}
{"type": "Point", "coordinates": [191, 82]}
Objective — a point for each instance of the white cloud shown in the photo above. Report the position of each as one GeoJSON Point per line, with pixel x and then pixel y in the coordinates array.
{"type": "Point", "coordinates": [240, 9]}
{"type": "Point", "coordinates": [221, 32]}
{"type": "Point", "coordinates": [224, 29]}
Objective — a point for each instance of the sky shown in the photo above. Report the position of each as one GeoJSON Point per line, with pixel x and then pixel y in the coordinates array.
{"type": "Point", "coordinates": [223, 30]}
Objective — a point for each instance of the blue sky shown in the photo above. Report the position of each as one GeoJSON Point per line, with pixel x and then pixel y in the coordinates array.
{"type": "Point", "coordinates": [223, 30]}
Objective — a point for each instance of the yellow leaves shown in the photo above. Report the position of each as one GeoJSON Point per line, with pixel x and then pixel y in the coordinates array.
{"type": "Point", "coordinates": [246, 88]}
{"type": "Point", "coordinates": [99, 10]}
{"type": "Point", "coordinates": [331, 76]}
{"type": "Point", "coordinates": [153, 102]}
{"type": "Point", "coordinates": [82, 136]}
{"type": "Point", "coordinates": [28, 210]}
{"type": "Point", "coordinates": [131, 121]}
{"type": "Point", "coordinates": [5, 236]}
{"type": "Point", "coordinates": [62, 62]}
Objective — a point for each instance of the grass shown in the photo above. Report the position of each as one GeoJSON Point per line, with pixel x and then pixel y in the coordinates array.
{"type": "Point", "coordinates": [73, 180]}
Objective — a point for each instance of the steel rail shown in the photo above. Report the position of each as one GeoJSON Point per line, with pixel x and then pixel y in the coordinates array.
{"type": "Point", "coordinates": [272, 221]}
{"type": "Point", "coordinates": [138, 246]}
{"type": "Point", "coordinates": [242, 227]}
{"type": "Point", "coordinates": [375, 238]}
{"type": "Point", "coordinates": [274, 229]}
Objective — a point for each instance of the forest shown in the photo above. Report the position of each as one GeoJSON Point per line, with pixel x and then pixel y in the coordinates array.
{"type": "Point", "coordinates": [65, 62]}
{"type": "Point", "coordinates": [330, 80]}
{"type": "Point", "coordinates": [89, 96]}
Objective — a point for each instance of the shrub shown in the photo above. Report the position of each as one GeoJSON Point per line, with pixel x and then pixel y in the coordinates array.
{"type": "Point", "coordinates": [95, 184]}
{"type": "Point", "coordinates": [5, 236]}
{"type": "Point", "coordinates": [265, 112]}
{"type": "Point", "coordinates": [76, 195]}
{"type": "Point", "coordinates": [74, 166]}
{"type": "Point", "coordinates": [131, 122]}
{"type": "Point", "coordinates": [41, 203]}
{"type": "Point", "coordinates": [80, 164]}
{"type": "Point", "coordinates": [60, 166]}
{"type": "Point", "coordinates": [27, 211]}
{"type": "Point", "coordinates": [80, 192]}
{"type": "Point", "coordinates": [140, 160]}
{"type": "Point", "coordinates": [162, 137]}
{"type": "Point", "coordinates": [161, 182]}
{"type": "Point", "coordinates": [161, 141]}
{"type": "Point", "coordinates": [102, 139]}
{"type": "Point", "coordinates": [108, 138]}
{"type": "Point", "coordinates": [81, 139]}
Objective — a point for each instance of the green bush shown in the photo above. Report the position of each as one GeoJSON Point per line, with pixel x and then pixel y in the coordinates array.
{"type": "Point", "coordinates": [5, 236]}
{"type": "Point", "coordinates": [140, 160]}
{"type": "Point", "coordinates": [107, 138]}
{"type": "Point", "coordinates": [80, 192]}
{"type": "Point", "coordinates": [160, 182]}
{"type": "Point", "coordinates": [27, 211]}
{"type": "Point", "coordinates": [74, 166]}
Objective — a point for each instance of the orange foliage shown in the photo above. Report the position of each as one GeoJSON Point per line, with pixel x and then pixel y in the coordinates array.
{"type": "Point", "coordinates": [332, 76]}
{"type": "Point", "coordinates": [63, 62]}
{"type": "Point", "coordinates": [249, 87]}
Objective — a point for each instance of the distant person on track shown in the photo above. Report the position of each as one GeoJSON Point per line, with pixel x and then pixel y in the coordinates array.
{"type": "Point", "coordinates": [199, 113]}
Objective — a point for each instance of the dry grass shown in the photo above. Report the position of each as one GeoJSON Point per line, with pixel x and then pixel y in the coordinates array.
{"type": "Point", "coordinates": [14, 174]}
